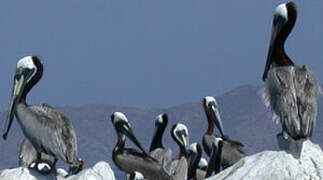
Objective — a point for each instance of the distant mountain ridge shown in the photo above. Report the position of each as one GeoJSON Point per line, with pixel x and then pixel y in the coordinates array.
{"type": "Point", "coordinates": [244, 116]}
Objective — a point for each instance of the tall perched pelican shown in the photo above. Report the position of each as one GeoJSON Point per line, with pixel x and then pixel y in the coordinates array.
{"type": "Point", "coordinates": [157, 150]}
{"type": "Point", "coordinates": [47, 130]}
{"type": "Point", "coordinates": [291, 91]}
{"type": "Point", "coordinates": [231, 150]}
{"type": "Point", "coordinates": [130, 160]}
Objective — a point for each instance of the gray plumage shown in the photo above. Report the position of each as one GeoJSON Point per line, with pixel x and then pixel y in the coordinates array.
{"type": "Point", "coordinates": [130, 162]}
{"type": "Point", "coordinates": [48, 131]}
{"type": "Point", "coordinates": [207, 143]}
{"type": "Point", "coordinates": [163, 156]}
{"type": "Point", "coordinates": [292, 92]}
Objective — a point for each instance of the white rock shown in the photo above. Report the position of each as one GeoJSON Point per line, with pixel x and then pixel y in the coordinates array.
{"type": "Point", "coordinates": [100, 171]}
{"type": "Point", "coordinates": [278, 165]}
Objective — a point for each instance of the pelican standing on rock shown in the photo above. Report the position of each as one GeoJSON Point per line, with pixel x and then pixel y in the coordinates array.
{"type": "Point", "coordinates": [291, 91]}
{"type": "Point", "coordinates": [231, 149]}
{"type": "Point", "coordinates": [48, 131]}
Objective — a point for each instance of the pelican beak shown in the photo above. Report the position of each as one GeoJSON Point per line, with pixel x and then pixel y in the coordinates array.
{"type": "Point", "coordinates": [126, 130]}
{"type": "Point", "coordinates": [277, 26]}
{"type": "Point", "coordinates": [20, 81]}
{"type": "Point", "coordinates": [183, 138]}
{"type": "Point", "coordinates": [215, 115]}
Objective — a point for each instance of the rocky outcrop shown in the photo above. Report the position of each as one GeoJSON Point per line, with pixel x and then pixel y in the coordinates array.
{"type": "Point", "coordinates": [278, 165]}
{"type": "Point", "coordinates": [100, 171]}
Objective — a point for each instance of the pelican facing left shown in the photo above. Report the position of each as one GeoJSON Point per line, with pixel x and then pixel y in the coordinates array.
{"type": "Point", "coordinates": [291, 91]}
{"type": "Point", "coordinates": [48, 131]}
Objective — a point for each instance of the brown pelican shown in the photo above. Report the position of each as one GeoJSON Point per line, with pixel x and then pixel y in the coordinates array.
{"type": "Point", "coordinates": [194, 154]}
{"type": "Point", "coordinates": [232, 150]}
{"type": "Point", "coordinates": [216, 157]}
{"type": "Point", "coordinates": [160, 126]}
{"type": "Point", "coordinates": [179, 133]}
{"type": "Point", "coordinates": [130, 160]}
{"type": "Point", "coordinates": [157, 150]}
{"type": "Point", "coordinates": [291, 91]}
{"type": "Point", "coordinates": [47, 130]}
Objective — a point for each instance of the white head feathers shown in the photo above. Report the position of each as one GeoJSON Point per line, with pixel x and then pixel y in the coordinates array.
{"type": "Point", "coordinates": [181, 127]}
{"type": "Point", "coordinates": [159, 119]}
{"type": "Point", "coordinates": [26, 62]}
{"type": "Point", "coordinates": [209, 99]}
{"type": "Point", "coordinates": [119, 116]}
{"type": "Point", "coordinates": [202, 163]}
{"type": "Point", "coordinates": [281, 10]}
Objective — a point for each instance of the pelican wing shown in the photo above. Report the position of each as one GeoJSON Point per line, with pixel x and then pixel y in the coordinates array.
{"type": "Point", "coordinates": [60, 139]}
{"type": "Point", "coordinates": [131, 160]}
{"type": "Point", "coordinates": [308, 91]}
{"type": "Point", "coordinates": [292, 93]}
{"type": "Point", "coordinates": [163, 156]}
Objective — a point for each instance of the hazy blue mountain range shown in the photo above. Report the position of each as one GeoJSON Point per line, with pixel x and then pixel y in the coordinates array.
{"type": "Point", "coordinates": [244, 116]}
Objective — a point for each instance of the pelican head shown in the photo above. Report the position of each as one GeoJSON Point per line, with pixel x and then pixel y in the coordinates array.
{"type": "Point", "coordinates": [211, 109]}
{"type": "Point", "coordinates": [28, 73]}
{"type": "Point", "coordinates": [284, 20]}
{"type": "Point", "coordinates": [180, 134]}
{"type": "Point", "coordinates": [123, 128]}
{"type": "Point", "coordinates": [203, 164]}
{"type": "Point", "coordinates": [161, 120]}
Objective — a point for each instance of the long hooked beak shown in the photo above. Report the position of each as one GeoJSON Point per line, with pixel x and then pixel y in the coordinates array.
{"type": "Point", "coordinates": [184, 141]}
{"type": "Point", "coordinates": [126, 130]}
{"type": "Point", "coordinates": [277, 26]}
{"type": "Point", "coordinates": [20, 81]}
{"type": "Point", "coordinates": [216, 117]}
{"type": "Point", "coordinates": [183, 138]}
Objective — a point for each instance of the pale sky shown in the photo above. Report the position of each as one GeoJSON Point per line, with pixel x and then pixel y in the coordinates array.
{"type": "Point", "coordinates": [145, 53]}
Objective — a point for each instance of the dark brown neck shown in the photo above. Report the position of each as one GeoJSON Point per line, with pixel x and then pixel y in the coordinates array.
{"type": "Point", "coordinates": [210, 128]}
{"type": "Point", "coordinates": [181, 153]}
{"type": "Point", "coordinates": [279, 56]}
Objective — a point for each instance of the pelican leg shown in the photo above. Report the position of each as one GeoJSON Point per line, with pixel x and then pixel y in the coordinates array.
{"type": "Point", "coordinates": [41, 166]}
{"type": "Point", "coordinates": [75, 168]}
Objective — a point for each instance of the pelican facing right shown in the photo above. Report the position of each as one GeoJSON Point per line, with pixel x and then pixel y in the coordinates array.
{"type": "Point", "coordinates": [290, 90]}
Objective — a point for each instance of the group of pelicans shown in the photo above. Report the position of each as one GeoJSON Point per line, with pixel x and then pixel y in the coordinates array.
{"type": "Point", "coordinates": [188, 164]}
{"type": "Point", "coordinates": [292, 93]}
